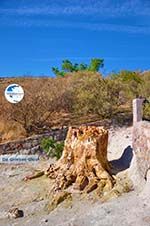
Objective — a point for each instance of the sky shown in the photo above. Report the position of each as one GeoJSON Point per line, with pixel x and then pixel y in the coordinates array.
{"type": "Point", "coordinates": [37, 35]}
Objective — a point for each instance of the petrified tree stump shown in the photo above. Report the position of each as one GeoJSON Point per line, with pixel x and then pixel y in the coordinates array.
{"type": "Point", "coordinates": [84, 161]}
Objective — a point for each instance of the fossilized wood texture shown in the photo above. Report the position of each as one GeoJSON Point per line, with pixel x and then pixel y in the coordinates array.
{"type": "Point", "coordinates": [141, 146]}
{"type": "Point", "coordinates": [84, 161]}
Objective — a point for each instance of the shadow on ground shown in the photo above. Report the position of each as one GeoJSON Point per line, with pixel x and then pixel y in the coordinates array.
{"type": "Point", "coordinates": [123, 162]}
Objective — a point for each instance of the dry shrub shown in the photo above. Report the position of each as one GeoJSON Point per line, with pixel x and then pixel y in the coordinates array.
{"type": "Point", "coordinates": [94, 95]}
{"type": "Point", "coordinates": [80, 94]}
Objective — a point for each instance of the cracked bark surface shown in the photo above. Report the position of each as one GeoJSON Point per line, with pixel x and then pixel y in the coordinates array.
{"type": "Point", "coordinates": [84, 161]}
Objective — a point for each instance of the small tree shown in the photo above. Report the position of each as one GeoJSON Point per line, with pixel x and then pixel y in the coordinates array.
{"type": "Point", "coordinates": [94, 95]}
{"type": "Point", "coordinates": [43, 98]}
{"type": "Point", "coordinates": [57, 72]}
{"type": "Point", "coordinates": [96, 64]}
{"type": "Point", "coordinates": [68, 66]}
{"type": "Point", "coordinates": [131, 81]}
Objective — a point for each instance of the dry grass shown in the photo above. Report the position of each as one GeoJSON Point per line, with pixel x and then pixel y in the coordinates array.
{"type": "Point", "coordinates": [78, 98]}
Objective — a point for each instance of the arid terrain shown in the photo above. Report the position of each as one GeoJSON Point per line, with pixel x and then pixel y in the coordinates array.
{"type": "Point", "coordinates": [74, 99]}
{"type": "Point", "coordinates": [75, 113]}
{"type": "Point", "coordinates": [131, 208]}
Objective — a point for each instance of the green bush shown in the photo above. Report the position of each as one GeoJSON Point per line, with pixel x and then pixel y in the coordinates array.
{"type": "Point", "coordinates": [68, 66]}
{"type": "Point", "coordinates": [52, 147]}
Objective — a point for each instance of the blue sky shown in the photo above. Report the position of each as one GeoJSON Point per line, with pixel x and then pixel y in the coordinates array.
{"type": "Point", "coordinates": [36, 35]}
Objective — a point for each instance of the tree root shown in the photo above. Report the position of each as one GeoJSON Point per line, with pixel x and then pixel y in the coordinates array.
{"type": "Point", "coordinates": [83, 164]}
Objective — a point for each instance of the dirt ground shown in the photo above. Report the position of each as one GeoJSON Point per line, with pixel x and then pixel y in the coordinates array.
{"type": "Point", "coordinates": [129, 209]}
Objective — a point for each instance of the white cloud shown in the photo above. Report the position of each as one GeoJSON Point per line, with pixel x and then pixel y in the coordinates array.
{"type": "Point", "coordinates": [28, 22]}
{"type": "Point", "coordinates": [105, 8]}
{"type": "Point", "coordinates": [44, 14]}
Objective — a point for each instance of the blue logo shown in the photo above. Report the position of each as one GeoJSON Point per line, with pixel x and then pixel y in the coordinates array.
{"type": "Point", "coordinates": [14, 93]}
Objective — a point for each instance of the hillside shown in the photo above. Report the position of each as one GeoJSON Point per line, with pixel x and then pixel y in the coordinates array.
{"type": "Point", "coordinates": [77, 98]}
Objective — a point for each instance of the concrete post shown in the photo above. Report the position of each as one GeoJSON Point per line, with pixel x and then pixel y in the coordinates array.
{"type": "Point", "coordinates": [137, 110]}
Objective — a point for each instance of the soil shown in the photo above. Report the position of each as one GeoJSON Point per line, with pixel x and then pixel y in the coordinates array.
{"type": "Point", "coordinates": [130, 208]}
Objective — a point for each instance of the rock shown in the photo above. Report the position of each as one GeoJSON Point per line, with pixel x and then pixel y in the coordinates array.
{"type": "Point", "coordinates": [24, 152]}
{"type": "Point", "coordinates": [141, 146]}
{"type": "Point", "coordinates": [57, 199]}
{"type": "Point", "coordinates": [15, 213]}
{"type": "Point", "coordinates": [44, 220]}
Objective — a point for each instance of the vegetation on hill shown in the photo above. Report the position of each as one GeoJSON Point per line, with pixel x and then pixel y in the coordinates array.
{"type": "Point", "coordinates": [68, 66]}
{"type": "Point", "coordinates": [78, 97]}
